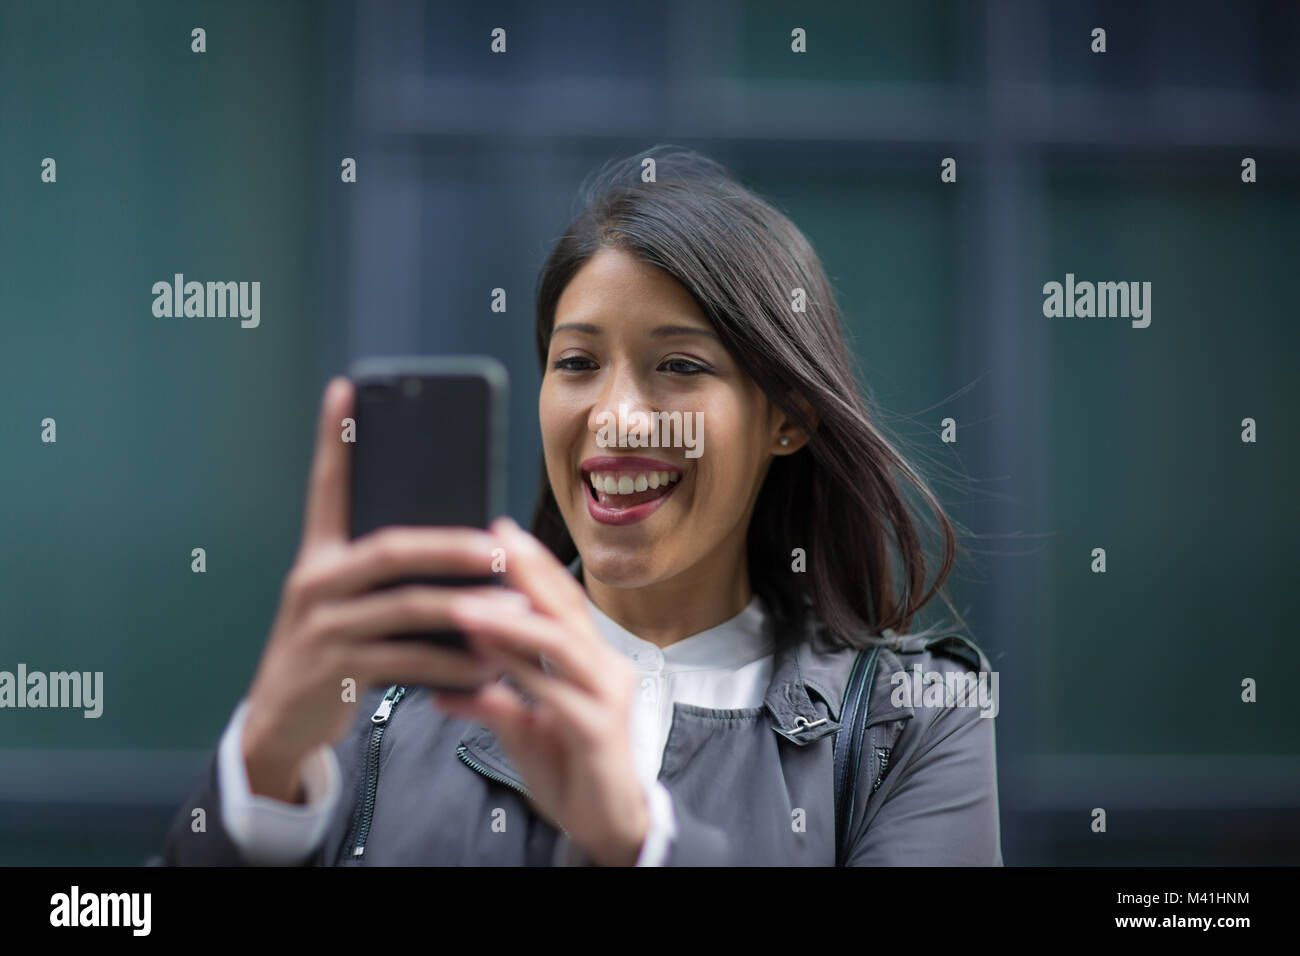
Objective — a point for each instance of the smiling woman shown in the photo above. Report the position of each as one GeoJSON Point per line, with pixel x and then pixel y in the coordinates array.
{"type": "Point", "coordinates": [675, 296]}
{"type": "Point", "coordinates": [693, 658]}
{"type": "Point", "coordinates": [692, 296]}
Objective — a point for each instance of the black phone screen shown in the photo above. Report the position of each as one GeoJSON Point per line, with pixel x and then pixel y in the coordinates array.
{"type": "Point", "coordinates": [427, 450]}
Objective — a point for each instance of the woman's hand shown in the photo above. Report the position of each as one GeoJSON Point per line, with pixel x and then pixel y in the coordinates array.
{"type": "Point", "coordinates": [332, 625]}
{"type": "Point", "coordinates": [573, 745]}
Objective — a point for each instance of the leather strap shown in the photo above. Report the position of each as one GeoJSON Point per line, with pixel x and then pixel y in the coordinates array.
{"type": "Point", "coordinates": [848, 744]}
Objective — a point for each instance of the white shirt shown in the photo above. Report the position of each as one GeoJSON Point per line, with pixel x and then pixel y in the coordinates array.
{"type": "Point", "coordinates": [725, 667]}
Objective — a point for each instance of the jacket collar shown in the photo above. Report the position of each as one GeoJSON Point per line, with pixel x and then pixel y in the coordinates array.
{"type": "Point", "coordinates": [805, 659]}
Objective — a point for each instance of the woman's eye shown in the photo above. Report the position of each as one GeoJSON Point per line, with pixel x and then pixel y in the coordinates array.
{"type": "Point", "coordinates": [683, 366]}
{"type": "Point", "coordinates": [573, 363]}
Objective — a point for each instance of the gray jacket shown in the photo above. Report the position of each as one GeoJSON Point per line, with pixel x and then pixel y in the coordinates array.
{"type": "Point", "coordinates": [752, 786]}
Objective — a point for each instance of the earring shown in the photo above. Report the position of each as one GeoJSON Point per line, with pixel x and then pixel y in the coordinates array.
{"type": "Point", "coordinates": [785, 441]}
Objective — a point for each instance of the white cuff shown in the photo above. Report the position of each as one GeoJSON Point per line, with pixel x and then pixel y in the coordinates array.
{"type": "Point", "coordinates": [267, 831]}
{"type": "Point", "coordinates": [663, 827]}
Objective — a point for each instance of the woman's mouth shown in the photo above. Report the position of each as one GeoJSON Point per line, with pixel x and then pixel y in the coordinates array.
{"type": "Point", "coordinates": [625, 492]}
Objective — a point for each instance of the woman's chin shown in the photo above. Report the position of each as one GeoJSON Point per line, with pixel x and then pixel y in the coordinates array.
{"type": "Point", "coordinates": [623, 554]}
{"type": "Point", "coordinates": [618, 566]}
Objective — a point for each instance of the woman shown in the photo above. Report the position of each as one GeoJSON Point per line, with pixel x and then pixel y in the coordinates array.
{"type": "Point", "coordinates": [661, 681]}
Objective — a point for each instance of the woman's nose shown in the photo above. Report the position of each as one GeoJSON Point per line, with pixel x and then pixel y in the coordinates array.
{"type": "Point", "coordinates": [619, 399]}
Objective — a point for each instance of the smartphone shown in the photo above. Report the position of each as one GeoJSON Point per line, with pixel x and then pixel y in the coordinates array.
{"type": "Point", "coordinates": [429, 449]}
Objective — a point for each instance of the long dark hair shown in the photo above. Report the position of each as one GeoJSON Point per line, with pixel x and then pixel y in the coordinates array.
{"type": "Point", "coordinates": [840, 498]}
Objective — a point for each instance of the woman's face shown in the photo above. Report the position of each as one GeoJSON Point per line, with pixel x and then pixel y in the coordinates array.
{"type": "Point", "coordinates": [633, 353]}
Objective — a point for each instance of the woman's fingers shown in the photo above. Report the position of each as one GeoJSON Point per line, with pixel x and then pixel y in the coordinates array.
{"type": "Point", "coordinates": [410, 609]}
{"type": "Point", "coordinates": [417, 663]}
{"type": "Point", "coordinates": [534, 571]}
{"type": "Point", "coordinates": [326, 517]}
{"type": "Point", "coordinates": [397, 552]}
{"type": "Point", "coordinates": [528, 635]}
{"type": "Point", "coordinates": [390, 554]}
{"type": "Point", "coordinates": [577, 710]}
{"type": "Point", "coordinates": [495, 704]}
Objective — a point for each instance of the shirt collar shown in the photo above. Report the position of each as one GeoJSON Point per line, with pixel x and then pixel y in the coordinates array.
{"type": "Point", "coordinates": [734, 643]}
{"type": "Point", "coordinates": [805, 657]}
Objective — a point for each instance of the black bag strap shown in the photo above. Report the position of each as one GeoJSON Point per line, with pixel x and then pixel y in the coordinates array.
{"type": "Point", "coordinates": [848, 746]}
{"type": "Point", "coordinates": [853, 714]}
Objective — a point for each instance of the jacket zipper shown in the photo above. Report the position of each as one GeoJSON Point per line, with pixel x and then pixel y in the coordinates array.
{"type": "Point", "coordinates": [463, 753]}
{"type": "Point", "coordinates": [355, 846]}
{"type": "Point", "coordinates": [360, 832]}
{"type": "Point", "coordinates": [883, 754]}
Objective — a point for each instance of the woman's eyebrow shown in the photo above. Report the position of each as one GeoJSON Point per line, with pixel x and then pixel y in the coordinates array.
{"type": "Point", "coordinates": [662, 332]}
{"type": "Point", "coordinates": [665, 331]}
{"type": "Point", "coordinates": [586, 327]}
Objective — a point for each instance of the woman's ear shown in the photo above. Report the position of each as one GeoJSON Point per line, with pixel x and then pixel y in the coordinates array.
{"type": "Point", "coordinates": [789, 437]}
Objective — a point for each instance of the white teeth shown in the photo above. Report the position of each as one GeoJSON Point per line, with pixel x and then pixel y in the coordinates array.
{"type": "Point", "coordinates": [626, 484]}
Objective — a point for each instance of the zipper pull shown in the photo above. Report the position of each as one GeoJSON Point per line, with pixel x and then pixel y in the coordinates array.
{"type": "Point", "coordinates": [380, 716]}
